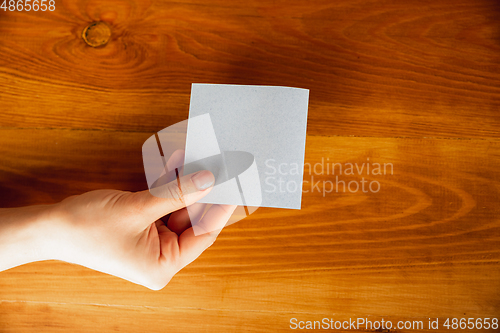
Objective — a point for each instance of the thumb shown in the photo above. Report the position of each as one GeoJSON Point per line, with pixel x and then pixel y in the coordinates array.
{"type": "Point", "coordinates": [179, 193]}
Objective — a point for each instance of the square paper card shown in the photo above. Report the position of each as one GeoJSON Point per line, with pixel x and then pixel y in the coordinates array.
{"type": "Point", "coordinates": [253, 139]}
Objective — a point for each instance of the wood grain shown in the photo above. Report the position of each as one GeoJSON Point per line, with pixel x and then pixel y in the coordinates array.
{"type": "Point", "coordinates": [415, 84]}
{"type": "Point", "coordinates": [425, 245]}
{"type": "Point", "coordinates": [413, 68]}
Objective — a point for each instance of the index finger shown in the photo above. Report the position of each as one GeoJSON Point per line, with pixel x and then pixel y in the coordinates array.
{"type": "Point", "coordinates": [202, 235]}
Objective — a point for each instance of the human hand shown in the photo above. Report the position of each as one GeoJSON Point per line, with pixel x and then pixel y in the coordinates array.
{"type": "Point", "coordinates": [120, 233]}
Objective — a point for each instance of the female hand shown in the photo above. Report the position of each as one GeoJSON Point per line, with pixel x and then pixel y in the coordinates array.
{"type": "Point", "coordinates": [120, 233]}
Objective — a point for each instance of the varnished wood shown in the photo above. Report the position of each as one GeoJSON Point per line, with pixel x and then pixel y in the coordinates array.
{"type": "Point", "coordinates": [389, 69]}
{"type": "Point", "coordinates": [415, 84]}
{"type": "Point", "coordinates": [96, 34]}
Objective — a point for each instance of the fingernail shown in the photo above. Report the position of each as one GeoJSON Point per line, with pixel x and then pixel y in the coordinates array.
{"type": "Point", "coordinates": [203, 180]}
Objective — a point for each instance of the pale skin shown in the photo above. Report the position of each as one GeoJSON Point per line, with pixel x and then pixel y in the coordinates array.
{"type": "Point", "coordinates": [116, 232]}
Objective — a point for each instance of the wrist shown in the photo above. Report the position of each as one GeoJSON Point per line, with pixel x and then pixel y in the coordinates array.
{"type": "Point", "coordinates": [48, 228]}
{"type": "Point", "coordinates": [25, 235]}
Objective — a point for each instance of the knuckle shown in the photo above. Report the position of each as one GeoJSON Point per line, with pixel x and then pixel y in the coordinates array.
{"type": "Point", "coordinates": [135, 205]}
{"type": "Point", "coordinates": [175, 193]}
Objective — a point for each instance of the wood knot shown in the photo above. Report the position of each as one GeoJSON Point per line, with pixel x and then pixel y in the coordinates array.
{"type": "Point", "coordinates": [96, 34]}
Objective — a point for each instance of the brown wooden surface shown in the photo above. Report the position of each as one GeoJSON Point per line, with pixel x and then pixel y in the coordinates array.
{"type": "Point", "coordinates": [412, 83]}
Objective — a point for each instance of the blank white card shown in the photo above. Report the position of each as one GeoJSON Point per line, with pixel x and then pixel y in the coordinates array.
{"type": "Point", "coordinates": [269, 122]}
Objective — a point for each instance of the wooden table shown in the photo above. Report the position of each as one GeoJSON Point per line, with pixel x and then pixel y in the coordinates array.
{"type": "Point", "coordinates": [414, 84]}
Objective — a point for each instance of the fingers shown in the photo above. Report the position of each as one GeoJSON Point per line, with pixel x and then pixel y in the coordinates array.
{"type": "Point", "coordinates": [175, 195]}
{"type": "Point", "coordinates": [182, 219]}
{"type": "Point", "coordinates": [197, 239]}
{"type": "Point", "coordinates": [159, 224]}
{"type": "Point", "coordinates": [214, 220]}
